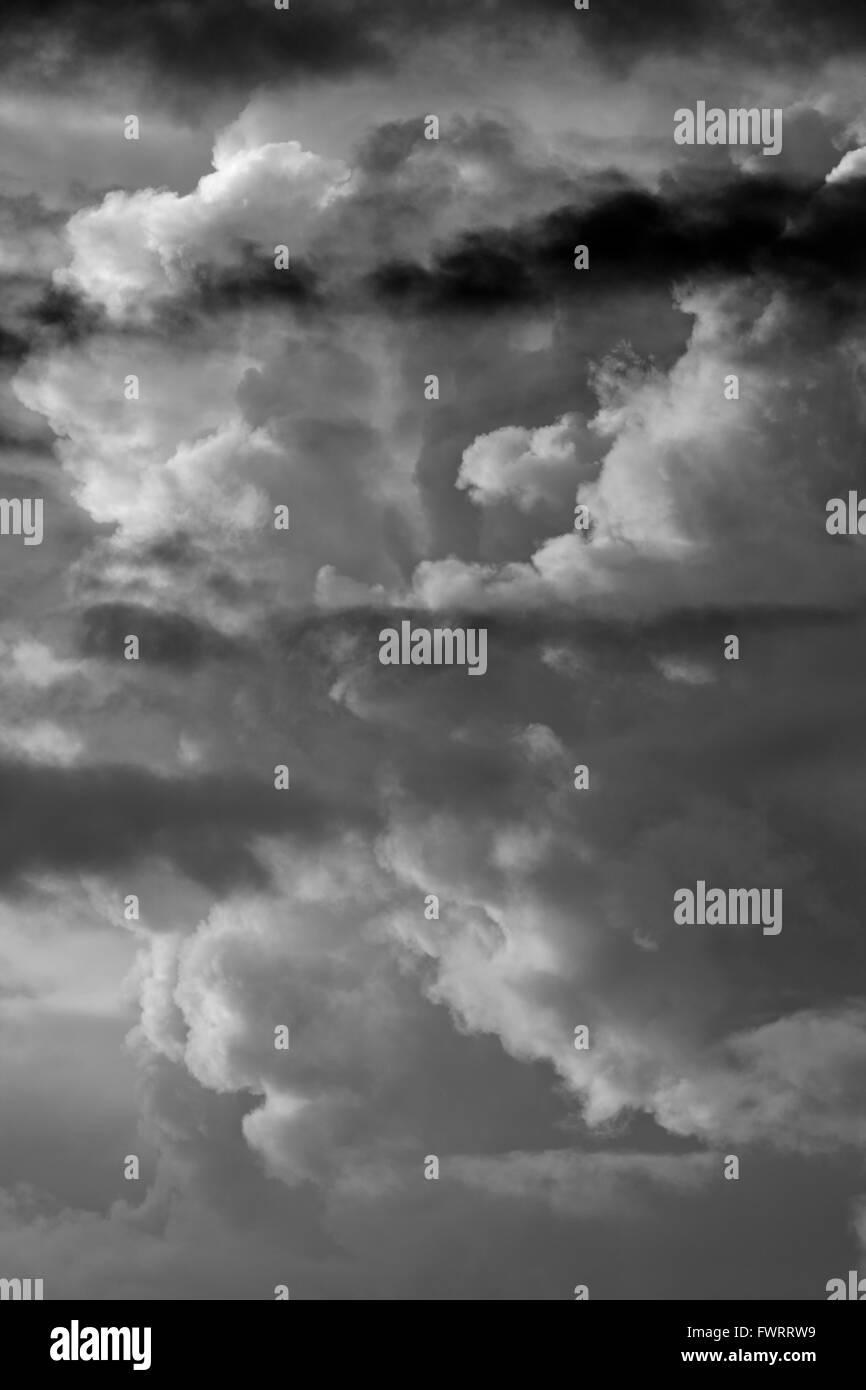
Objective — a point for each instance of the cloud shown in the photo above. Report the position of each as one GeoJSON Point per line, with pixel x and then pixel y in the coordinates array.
{"type": "Point", "coordinates": [531, 468]}
{"type": "Point", "coordinates": [585, 1184]}
{"type": "Point", "coordinates": [137, 247]}
{"type": "Point", "coordinates": [850, 167]}
{"type": "Point", "coordinates": [177, 43]}
{"type": "Point", "coordinates": [41, 742]}
{"type": "Point", "coordinates": [791, 1082]}
{"type": "Point", "coordinates": [455, 1034]}
{"type": "Point", "coordinates": [92, 818]}
{"type": "Point", "coordinates": [169, 639]}
{"type": "Point", "coordinates": [693, 489]}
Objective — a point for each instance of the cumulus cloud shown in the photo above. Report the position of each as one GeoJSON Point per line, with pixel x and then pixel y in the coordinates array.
{"type": "Point", "coordinates": [138, 247]}
{"type": "Point", "coordinates": [693, 488]}
{"type": "Point", "coordinates": [531, 468]}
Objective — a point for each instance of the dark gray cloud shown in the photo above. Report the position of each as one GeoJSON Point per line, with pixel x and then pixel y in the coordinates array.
{"type": "Point", "coordinates": [250, 43]}
{"type": "Point", "coordinates": [96, 819]}
{"type": "Point", "coordinates": [166, 639]}
{"type": "Point", "coordinates": [748, 226]}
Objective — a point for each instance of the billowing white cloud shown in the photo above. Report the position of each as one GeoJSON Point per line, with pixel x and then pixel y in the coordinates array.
{"type": "Point", "coordinates": [139, 247]}
{"type": "Point", "coordinates": [527, 467]}
{"type": "Point", "coordinates": [851, 166]}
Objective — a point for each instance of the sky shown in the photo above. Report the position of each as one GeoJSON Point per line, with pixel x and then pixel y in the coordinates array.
{"type": "Point", "coordinates": [149, 1031]}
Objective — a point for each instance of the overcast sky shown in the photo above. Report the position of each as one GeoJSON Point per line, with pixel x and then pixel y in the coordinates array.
{"type": "Point", "coordinates": [305, 388]}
